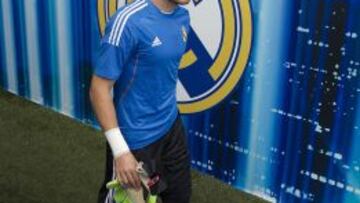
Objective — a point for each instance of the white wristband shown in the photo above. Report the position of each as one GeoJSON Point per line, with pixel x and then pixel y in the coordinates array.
{"type": "Point", "coordinates": [117, 142]}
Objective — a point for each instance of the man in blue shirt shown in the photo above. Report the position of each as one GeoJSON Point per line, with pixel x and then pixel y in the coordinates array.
{"type": "Point", "coordinates": [139, 58]}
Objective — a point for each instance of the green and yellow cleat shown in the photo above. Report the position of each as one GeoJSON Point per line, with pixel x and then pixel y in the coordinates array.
{"type": "Point", "coordinates": [122, 195]}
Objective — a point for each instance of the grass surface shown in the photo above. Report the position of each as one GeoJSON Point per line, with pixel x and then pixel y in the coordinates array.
{"type": "Point", "coordinates": [47, 157]}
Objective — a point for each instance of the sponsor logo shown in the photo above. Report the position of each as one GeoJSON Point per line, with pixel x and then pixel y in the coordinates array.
{"type": "Point", "coordinates": [156, 42]}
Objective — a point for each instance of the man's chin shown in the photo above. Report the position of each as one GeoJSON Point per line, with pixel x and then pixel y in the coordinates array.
{"type": "Point", "coordinates": [181, 2]}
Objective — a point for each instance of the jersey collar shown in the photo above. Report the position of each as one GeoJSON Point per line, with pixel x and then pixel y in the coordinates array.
{"type": "Point", "coordinates": [160, 12]}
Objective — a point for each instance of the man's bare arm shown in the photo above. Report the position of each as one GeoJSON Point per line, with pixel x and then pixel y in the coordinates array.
{"type": "Point", "coordinates": [102, 102]}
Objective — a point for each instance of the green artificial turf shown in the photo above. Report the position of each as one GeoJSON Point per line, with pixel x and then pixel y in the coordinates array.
{"type": "Point", "coordinates": [48, 157]}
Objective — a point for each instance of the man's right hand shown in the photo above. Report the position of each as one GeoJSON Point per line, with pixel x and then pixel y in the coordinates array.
{"type": "Point", "coordinates": [125, 166]}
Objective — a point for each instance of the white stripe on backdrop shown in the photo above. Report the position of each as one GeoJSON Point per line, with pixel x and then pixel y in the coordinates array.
{"type": "Point", "coordinates": [33, 54]}
{"type": "Point", "coordinates": [64, 56]}
{"type": "Point", "coordinates": [10, 54]}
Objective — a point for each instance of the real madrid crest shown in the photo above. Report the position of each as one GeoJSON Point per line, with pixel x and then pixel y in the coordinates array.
{"type": "Point", "coordinates": [219, 45]}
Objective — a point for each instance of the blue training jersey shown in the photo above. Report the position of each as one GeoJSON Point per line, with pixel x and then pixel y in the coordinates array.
{"type": "Point", "coordinates": [141, 51]}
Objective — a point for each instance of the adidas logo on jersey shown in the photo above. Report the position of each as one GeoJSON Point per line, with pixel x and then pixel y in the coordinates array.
{"type": "Point", "coordinates": [156, 42]}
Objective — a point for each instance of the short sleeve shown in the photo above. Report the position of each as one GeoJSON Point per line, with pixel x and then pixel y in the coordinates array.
{"type": "Point", "coordinates": [116, 48]}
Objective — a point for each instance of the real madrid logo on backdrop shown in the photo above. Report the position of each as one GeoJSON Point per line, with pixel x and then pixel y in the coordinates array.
{"type": "Point", "coordinates": [105, 9]}
{"type": "Point", "coordinates": [218, 50]}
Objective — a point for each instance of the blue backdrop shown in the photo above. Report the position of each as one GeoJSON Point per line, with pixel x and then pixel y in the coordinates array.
{"type": "Point", "coordinates": [286, 126]}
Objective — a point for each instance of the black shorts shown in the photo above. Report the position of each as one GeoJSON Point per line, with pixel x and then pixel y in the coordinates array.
{"type": "Point", "coordinates": [171, 155]}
